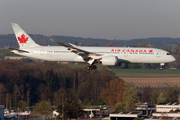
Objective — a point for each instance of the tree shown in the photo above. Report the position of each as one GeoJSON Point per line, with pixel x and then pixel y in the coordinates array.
{"type": "Point", "coordinates": [72, 109]}
{"type": "Point", "coordinates": [37, 82]}
{"type": "Point", "coordinates": [2, 94]}
{"type": "Point", "coordinates": [142, 45]}
{"type": "Point", "coordinates": [50, 79]}
{"type": "Point", "coordinates": [161, 99]}
{"type": "Point", "coordinates": [43, 93]}
{"type": "Point", "coordinates": [16, 94]}
{"type": "Point", "coordinates": [43, 108]}
{"type": "Point", "coordinates": [58, 96]}
{"type": "Point", "coordinates": [154, 98]}
{"type": "Point", "coordinates": [113, 92]}
{"type": "Point", "coordinates": [146, 95]}
{"type": "Point", "coordinates": [130, 98]}
{"type": "Point", "coordinates": [21, 89]}
{"type": "Point", "coordinates": [28, 94]}
{"type": "Point", "coordinates": [171, 95]}
{"type": "Point", "coordinates": [119, 107]}
{"type": "Point", "coordinates": [22, 105]}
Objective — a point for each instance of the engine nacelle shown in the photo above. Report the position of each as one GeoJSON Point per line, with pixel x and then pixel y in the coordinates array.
{"type": "Point", "coordinates": [109, 60]}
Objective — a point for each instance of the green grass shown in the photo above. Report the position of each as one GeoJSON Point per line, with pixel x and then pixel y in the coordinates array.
{"type": "Point", "coordinates": [134, 72]}
{"type": "Point", "coordinates": [6, 52]}
{"type": "Point", "coordinates": [145, 72]}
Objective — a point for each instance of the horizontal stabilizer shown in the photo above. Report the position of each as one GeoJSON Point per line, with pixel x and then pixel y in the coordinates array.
{"type": "Point", "coordinates": [19, 50]}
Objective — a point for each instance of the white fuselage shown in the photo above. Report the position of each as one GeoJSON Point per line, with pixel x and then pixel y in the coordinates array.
{"type": "Point", "coordinates": [124, 54]}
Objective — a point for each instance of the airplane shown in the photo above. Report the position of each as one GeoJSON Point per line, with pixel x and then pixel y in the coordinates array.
{"type": "Point", "coordinates": [112, 56]}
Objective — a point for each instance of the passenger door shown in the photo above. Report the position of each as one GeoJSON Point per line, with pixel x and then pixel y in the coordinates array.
{"type": "Point", "coordinates": [158, 54]}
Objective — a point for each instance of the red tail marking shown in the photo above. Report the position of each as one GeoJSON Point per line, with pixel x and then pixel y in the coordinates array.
{"type": "Point", "coordinates": [22, 39]}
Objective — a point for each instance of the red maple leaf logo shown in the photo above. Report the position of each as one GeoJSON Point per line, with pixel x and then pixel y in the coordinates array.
{"type": "Point", "coordinates": [150, 51]}
{"type": "Point", "coordinates": [22, 39]}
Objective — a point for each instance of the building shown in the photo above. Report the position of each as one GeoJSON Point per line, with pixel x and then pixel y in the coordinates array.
{"type": "Point", "coordinates": [17, 115]}
{"type": "Point", "coordinates": [80, 44]}
{"type": "Point", "coordinates": [91, 111]}
{"type": "Point", "coordinates": [166, 114]}
{"type": "Point", "coordinates": [162, 111]}
{"type": "Point", "coordinates": [162, 118]}
{"type": "Point", "coordinates": [111, 45]}
{"type": "Point", "coordinates": [55, 114]}
{"type": "Point", "coordinates": [167, 107]}
{"type": "Point", "coordinates": [125, 115]}
{"type": "Point", "coordinates": [1, 112]}
{"type": "Point", "coordinates": [146, 108]}
{"type": "Point", "coordinates": [166, 111]}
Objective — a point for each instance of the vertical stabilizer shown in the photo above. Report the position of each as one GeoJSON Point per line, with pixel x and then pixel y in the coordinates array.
{"type": "Point", "coordinates": [23, 39]}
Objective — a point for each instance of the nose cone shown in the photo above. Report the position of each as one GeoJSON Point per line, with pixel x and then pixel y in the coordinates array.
{"type": "Point", "coordinates": [173, 58]}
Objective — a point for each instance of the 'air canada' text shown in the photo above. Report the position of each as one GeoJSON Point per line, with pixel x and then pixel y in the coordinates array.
{"type": "Point", "coordinates": [132, 50]}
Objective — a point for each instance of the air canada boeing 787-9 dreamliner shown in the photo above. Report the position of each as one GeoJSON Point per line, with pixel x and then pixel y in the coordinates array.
{"type": "Point", "coordinates": [92, 55]}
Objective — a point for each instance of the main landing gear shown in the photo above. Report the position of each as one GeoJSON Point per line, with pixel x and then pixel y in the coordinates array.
{"type": "Point", "coordinates": [91, 67]}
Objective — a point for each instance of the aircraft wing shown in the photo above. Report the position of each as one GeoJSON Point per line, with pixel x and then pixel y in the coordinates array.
{"type": "Point", "coordinates": [90, 57]}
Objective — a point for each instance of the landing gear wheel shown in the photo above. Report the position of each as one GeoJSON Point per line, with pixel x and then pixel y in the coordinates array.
{"type": "Point", "coordinates": [88, 67]}
{"type": "Point", "coordinates": [160, 68]}
{"type": "Point", "coordinates": [94, 67]}
{"type": "Point", "coordinates": [91, 67]}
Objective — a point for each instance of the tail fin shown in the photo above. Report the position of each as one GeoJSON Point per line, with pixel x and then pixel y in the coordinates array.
{"type": "Point", "coordinates": [23, 39]}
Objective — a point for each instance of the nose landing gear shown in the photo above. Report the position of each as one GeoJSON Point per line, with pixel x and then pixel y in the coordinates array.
{"type": "Point", "coordinates": [161, 66]}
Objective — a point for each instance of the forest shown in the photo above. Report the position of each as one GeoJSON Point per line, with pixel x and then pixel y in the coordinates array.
{"type": "Point", "coordinates": [24, 84]}
{"type": "Point", "coordinates": [10, 40]}
{"type": "Point", "coordinates": [29, 83]}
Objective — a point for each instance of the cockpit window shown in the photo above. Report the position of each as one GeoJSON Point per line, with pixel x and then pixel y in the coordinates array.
{"type": "Point", "coordinates": [168, 54]}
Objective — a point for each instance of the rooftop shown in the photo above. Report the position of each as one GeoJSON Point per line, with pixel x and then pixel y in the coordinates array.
{"type": "Point", "coordinates": [126, 114]}
{"type": "Point", "coordinates": [169, 103]}
{"type": "Point", "coordinates": [162, 118]}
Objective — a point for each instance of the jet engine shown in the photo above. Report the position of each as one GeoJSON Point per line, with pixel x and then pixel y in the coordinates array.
{"type": "Point", "coordinates": [109, 60]}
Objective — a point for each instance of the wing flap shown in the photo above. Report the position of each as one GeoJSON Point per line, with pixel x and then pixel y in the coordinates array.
{"type": "Point", "coordinates": [86, 55]}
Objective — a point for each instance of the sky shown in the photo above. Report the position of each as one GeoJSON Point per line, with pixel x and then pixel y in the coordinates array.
{"type": "Point", "coordinates": [103, 19]}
